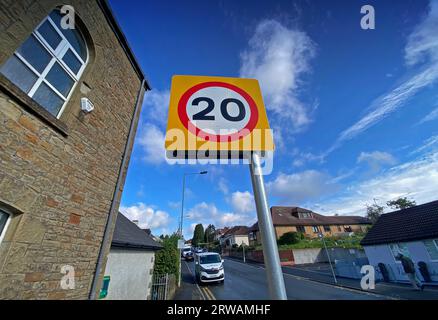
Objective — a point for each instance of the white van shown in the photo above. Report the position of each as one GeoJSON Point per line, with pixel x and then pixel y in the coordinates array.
{"type": "Point", "coordinates": [209, 267]}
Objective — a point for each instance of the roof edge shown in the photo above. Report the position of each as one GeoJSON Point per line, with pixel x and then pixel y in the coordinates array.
{"type": "Point", "coordinates": [386, 242]}
{"type": "Point", "coordinates": [111, 19]}
{"type": "Point", "coordinates": [134, 246]}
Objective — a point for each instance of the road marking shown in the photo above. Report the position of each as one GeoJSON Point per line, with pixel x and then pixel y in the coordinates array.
{"type": "Point", "coordinates": [196, 282]}
{"type": "Point", "coordinates": [306, 270]}
{"type": "Point", "coordinates": [209, 293]}
{"type": "Point", "coordinates": [246, 264]}
{"type": "Point", "coordinates": [323, 283]}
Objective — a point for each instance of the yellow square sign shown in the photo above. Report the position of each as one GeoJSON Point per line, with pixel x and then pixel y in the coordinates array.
{"type": "Point", "coordinates": [216, 114]}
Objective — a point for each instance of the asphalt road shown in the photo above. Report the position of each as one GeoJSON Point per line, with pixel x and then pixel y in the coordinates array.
{"type": "Point", "coordinates": [248, 282]}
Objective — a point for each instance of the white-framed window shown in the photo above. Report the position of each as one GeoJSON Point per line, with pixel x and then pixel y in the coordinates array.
{"type": "Point", "coordinates": [397, 248]}
{"type": "Point", "coordinates": [315, 229]}
{"type": "Point", "coordinates": [305, 215]}
{"type": "Point", "coordinates": [4, 221]}
{"type": "Point", "coordinates": [432, 248]}
{"type": "Point", "coordinates": [49, 63]}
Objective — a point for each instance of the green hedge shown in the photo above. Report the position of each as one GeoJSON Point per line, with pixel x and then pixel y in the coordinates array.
{"type": "Point", "coordinates": [352, 242]}
{"type": "Point", "coordinates": [167, 259]}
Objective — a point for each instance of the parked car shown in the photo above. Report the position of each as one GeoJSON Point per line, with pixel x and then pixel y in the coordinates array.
{"type": "Point", "coordinates": [185, 251]}
{"type": "Point", "coordinates": [198, 250]}
{"type": "Point", "coordinates": [209, 267]}
{"type": "Point", "coordinates": [189, 256]}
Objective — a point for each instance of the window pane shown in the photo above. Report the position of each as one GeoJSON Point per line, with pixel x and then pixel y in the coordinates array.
{"type": "Point", "coordinates": [73, 36]}
{"type": "Point", "coordinates": [72, 62]}
{"type": "Point", "coordinates": [16, 71]}
{"type": "Point", "coordinates": [58, 78]}
{"type": "Point", "coordinates": [3, 218]}
{"type": "Point", "coordinates": [34, 53]}
{"type": "Point", "coordinates": [48, 99]}
{"type": "Point", "coordinates": [50, 35]}
{"type": "Point", "coordinates": [432, 249]}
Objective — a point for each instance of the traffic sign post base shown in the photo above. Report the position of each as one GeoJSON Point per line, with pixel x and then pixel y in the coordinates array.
{"type": "Point", "coordinates": [267, 232]}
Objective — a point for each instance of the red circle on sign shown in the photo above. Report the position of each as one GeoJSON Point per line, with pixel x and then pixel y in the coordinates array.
{"type": "Point", "coordinates": [182, 113]}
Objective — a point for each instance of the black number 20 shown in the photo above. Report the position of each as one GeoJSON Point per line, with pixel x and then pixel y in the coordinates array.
{"type": "Point", "coordinates": [203, 114]}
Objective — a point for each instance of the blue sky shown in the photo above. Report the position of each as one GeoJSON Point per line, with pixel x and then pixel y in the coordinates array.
{"type": "Point", "coordinates": [354, 111]}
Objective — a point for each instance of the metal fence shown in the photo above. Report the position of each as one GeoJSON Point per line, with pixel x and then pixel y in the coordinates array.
{"type": "Point", "coordinates": [160, 287]}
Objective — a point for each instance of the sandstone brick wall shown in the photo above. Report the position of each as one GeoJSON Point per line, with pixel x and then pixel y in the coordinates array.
{"type": "Point", "coordinates": [63, 185]}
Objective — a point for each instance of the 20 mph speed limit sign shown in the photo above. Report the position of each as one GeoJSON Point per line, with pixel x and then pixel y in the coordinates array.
{"type": "Point", "coordinates": [216, 114]}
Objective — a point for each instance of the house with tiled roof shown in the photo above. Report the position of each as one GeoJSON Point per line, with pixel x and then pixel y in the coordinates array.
{"type": "Point", "coordinates": [237, 235]}
{"type": "Point", "coordinates": [218, 233]}
{"type": "Point", "coordinates": [412, 232]}
{"type": "Point", "coordinates": [130, 265]}
{"type": "Point", "coordinates": [296, 219]}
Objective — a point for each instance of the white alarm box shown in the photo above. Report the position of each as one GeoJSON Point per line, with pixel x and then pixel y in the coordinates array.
{"type": "Point", "coordinates": [86, 105]}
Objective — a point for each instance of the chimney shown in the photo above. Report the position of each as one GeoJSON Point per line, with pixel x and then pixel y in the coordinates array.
{"type": "Point", "coordinates": [135, 221]}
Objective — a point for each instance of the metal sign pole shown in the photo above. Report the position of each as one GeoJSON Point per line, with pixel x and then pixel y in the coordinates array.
{"type": "Point", "coordinates": [328, 256]}
{"type": "Point", "coordinates": [270, 249]}
{"type": "Point", "coordinates": [243, 247]}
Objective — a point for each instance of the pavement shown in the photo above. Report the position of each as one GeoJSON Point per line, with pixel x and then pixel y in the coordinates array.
{"type": "Point", "coordinates": [321, 273]}
{"type": "Point", "coordinates": [247, 281]}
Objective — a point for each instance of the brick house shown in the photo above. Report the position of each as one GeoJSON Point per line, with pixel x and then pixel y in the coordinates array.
{"type": "Point", "coordinates": [62, 170]}
{"type": "Point", "coordinates": [295, 219]}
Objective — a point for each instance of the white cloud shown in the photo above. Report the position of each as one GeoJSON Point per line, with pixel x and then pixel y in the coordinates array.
{"type": "Point", "coordinates": [278, 57]}
{"type": "Point", "coordinates": [387, 104]}
{"type": "Point", "coordinates": [301, 158]}
{"type": "Point", "coordinates": [430, 145]}
{"type": "Point", "coordinates": [223, 185]}
{"type": "Point", "coordinates": [300, 187]}
{"type": "Point", "coordinates": [151, 139]}
{"type": "Point", "coordinates": [201, 211]}
{"type": "Point", "coordinates": [376, 159]}
{"type": "Point", "coordinates": [422, 47]}
{"type": "Point", "coordinates": [147, 216]}
{"type": "Point", "coordinates": [433, 115]}
{"type": "Point", "coordinates": [422, 43]}
{"type": "Point", "coordinates": [208, 213]}
{"type": "Point", "coordinates": [174, 204]}
{"type": "Point", "coordinates": [417, 179]}
{"type": "Point", "coordinates": [156, 105]}
{"type": "Point", "coordinates": [242, 202]}
{"type": "Point", "coordinates": [233, 219]}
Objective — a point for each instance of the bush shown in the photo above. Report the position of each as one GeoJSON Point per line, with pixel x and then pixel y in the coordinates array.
{"type": "Point", "coordinates": [289, 238]}
{"type": "Point", "coordinates": [167, 259]}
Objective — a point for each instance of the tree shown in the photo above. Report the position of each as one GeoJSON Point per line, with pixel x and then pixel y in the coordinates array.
{"type": "Point", "coordinates": [198, 235]}
{"type": "Point", "coordinates": [209, 234]}
{"type": "Point", "coordinates": [289, 238]}
{"type": "Point", "coordinates": [167, 259]}
{"type": "Point", "coordinates": [373, 212]}
{"type": "Point", "coordinates": [401, 203]}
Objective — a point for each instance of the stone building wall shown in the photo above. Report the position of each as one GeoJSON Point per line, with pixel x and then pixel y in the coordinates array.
{"type": "Point", "coordinates": [60, 185]}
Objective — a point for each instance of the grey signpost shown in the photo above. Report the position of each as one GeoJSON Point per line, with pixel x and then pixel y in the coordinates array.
{"type": "Point", "coordinates": [186, 94]}
{"type": "Point", "coordinates": [270, 250]}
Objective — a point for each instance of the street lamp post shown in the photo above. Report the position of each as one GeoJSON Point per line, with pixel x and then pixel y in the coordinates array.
{"type": "Point", "coordinates": [180, 228]}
